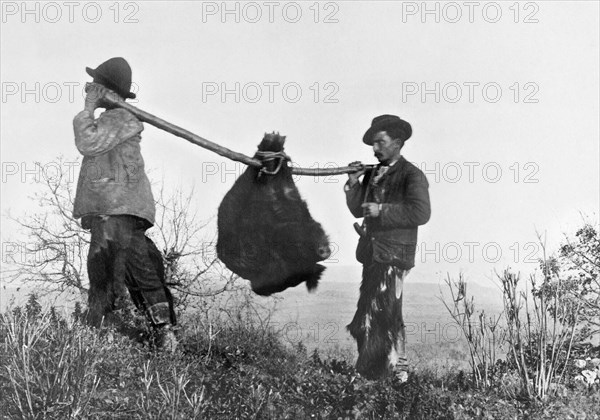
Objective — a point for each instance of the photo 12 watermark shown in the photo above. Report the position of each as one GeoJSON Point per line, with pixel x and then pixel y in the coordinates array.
{"type": "Point", "coordinates": [227, 172]}
{"type": "Point", "coordinates": [490, 12]}
{"type": "Point", "coordinates": [51, 92]}
{"type": "Point", "coordinates": [270, 12]}
{"type": "Point", "coordinates": [472, 172]}
{"type": "Point", "coordinates": [53, 12]}
{"type": "Point", "coordinates": [66, 172]}
{"type": "Point", "coordinates": [455, 252]}
{"type": "Point", "coordinates": [31, 254]}
{"type": "Point", "coordinates": [38, 172]}
{"type": "Point", "coordinates": [470, 92]}
{"type": "Point", "coordinates": [270, 92]}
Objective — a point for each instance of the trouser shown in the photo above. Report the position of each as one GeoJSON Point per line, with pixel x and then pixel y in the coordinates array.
{"type": "Point", "coordinates": [378, 324]}
{"type": "Point", "coordinates": [122, 256]}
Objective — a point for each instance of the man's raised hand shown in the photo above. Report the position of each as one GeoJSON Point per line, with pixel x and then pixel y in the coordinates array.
{"type": "Point", "coordinates": [95, 94]}
{"type": "Point", "coordinates": [353, 176]}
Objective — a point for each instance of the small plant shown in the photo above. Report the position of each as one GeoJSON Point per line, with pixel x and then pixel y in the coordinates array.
{"type": "Point", "coordinates": [540, 338]}
{"type": "Point", "coordinates": [579, 259]}
{"type": "Point", "coordinates": [33, 308]}
{"type": "Point", "coordinates": [483, 336]}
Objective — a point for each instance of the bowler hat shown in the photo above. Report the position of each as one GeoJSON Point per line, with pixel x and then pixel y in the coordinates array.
{"type": "Point", "coordinates": [387, 122]}
{"type": "Point", "coordinates": [115, 74]}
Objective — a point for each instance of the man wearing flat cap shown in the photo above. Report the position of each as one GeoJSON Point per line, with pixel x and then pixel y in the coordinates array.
{"type": "Point", "coordinates": [114, 200]}
{"type": "Point", "coordinates": [393, 199]}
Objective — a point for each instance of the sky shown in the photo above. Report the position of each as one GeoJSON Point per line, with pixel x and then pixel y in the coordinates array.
{"type": "Point", "coordinates": [503, 98]}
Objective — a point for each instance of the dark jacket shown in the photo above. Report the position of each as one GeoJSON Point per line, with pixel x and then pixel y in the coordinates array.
{"type": "Point", "coordinates": [112, 180]}
{"type": "Point", "coordinates": [403, 193]}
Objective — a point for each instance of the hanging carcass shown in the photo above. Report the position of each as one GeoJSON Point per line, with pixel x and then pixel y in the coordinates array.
{"type": "Point", "coordinates": [266, 233]}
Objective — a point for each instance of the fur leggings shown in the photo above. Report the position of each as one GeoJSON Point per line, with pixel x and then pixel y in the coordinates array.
{"type": "Point", "coordinates": [378, 325]}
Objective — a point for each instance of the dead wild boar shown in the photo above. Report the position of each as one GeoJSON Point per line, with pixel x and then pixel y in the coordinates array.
{"type": "Point", "coordinates": [266, 233]}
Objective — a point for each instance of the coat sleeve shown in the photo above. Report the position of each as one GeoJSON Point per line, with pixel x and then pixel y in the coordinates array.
{"type": "Point", "coordinates": [95, 137]}
{"type": "Point", "coordinates": [414, 210]}
{"type": "Point", "coordinates": [355, 196]}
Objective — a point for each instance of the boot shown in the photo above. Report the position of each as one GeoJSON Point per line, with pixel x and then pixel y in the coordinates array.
{"type": "Point", "coordinates": [165, 338]}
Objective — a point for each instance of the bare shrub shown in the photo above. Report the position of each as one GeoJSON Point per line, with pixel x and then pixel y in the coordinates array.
{"type": "Point", "coordinates": [483, 336]}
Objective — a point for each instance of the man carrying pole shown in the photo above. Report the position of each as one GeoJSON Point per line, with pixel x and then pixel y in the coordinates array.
{"type": "Point", "coordinates": [114, 200]}
{"type": "Point", "coordinates": [393, 198]}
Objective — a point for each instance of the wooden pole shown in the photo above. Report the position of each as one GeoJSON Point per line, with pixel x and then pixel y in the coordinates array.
{"type": "Point", "coordinates": [115, 100]}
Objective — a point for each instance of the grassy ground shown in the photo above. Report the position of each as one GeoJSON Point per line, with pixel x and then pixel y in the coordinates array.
{"type": "Point", "coordinates": [55, 368]}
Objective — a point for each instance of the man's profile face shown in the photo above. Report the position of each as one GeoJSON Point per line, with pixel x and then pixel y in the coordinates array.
{"type": "Point", "coordinates": [385, 148]}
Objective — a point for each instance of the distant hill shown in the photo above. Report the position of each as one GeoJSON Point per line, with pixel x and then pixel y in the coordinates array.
{"type": "Point", "coordinates": [320, 317]}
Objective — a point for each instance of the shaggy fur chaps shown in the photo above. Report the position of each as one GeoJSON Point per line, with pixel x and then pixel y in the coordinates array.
{"type": "Point", "coordinates": [377, 323]}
